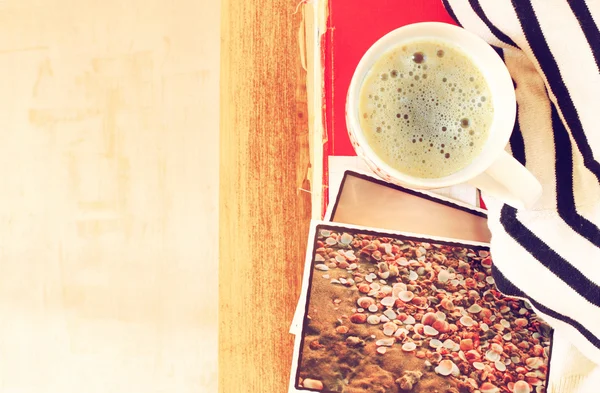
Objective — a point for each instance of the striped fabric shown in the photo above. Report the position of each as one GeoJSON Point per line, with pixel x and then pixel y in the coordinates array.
{"type": "Point", "coordinates": [550, 254]}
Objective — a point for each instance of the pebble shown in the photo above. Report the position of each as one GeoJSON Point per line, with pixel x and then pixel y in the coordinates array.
{"type": "Point", "coordinates": [358, 318]}
{"type": "Point", "coordinates": [342, 329]}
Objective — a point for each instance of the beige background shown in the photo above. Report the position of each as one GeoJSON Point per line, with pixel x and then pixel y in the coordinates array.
{"type": "Point", "coordinates": [108, 190]}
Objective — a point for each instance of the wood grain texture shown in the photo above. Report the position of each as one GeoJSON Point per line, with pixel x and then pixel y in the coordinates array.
{"type": "Point", "coordinates": [108, 182]}
{"type": "Point", "coordinates": [264, 216]}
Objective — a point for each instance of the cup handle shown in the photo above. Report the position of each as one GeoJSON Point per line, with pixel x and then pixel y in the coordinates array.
{"type": "Point", "coordinates": [509, 181]}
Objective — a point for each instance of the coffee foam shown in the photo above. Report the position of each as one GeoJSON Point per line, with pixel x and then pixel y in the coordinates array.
{"type": "Point", "coordinates": [426, 109]}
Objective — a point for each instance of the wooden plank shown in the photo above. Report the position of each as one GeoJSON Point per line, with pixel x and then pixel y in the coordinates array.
{"type": "Point", "coordinates": [264, 216]}
{"type": "Point", "coordinates": [108, 256]}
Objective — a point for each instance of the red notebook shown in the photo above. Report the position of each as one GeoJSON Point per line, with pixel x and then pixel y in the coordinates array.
{"type": "Point", "coordinates": [336, 35]}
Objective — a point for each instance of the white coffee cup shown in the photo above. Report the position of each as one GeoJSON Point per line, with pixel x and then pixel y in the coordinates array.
{"type": "Point", "coordinates": [494, 171]}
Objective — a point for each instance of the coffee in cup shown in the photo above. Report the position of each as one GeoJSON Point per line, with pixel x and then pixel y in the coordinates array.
{"type": "Point", "coordinates": [447, 123]}
{"type": "Point", "coordinates": [426, 109]}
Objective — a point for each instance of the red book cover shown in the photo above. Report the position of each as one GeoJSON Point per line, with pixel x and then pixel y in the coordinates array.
{"type": "Point", "coordinates": [347, 29]}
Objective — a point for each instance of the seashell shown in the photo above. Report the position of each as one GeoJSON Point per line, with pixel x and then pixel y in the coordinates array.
{"type": "Point", "coordinates": [391, 314]}
{"type": "Point", "coordinates": [515, 359]}
{"type": "Point", "coordinates": [484, 327]}
{"type": "Point", "coordinates": [523, 311]}
{"type": "Point", "coordinates": [447, 304]}
{"type": "Point", "coordinates": [350, 255]}
{"type": "Point", "coordinates": [409, 346]}
{"type": "Point", "coordinates": [340, 259]}
{"type": "Point", "coordinates": [402, 261]}
{"type": "Point", "coordinates": [440, 315]}
{"type": "Point", "coordinates": [499, 365]}
{"type": "Point", "coordinates": [365, 301]}
{"type": "Point", "coordinates": [326, 276]}
{"type": "Point", "coordinates": [353, 266]}
{"type": "Point", "coordinates": [387, 342]}
{"type": "Point", "coordinates": [373, 319]}
{"type": "Point", "coordinates": [441, 326]}
{"type": "Point", "coordinates": [495, 347]}
{"type": "Point", "coordinates": [364, 288]}
{"type": "Point", "coordinates": [521, 322]}
{"type": "Point", "coordinates": [410, 320]}
{"type": "Point", "coordinates": [358, 318]}
{"type": "Point", "coordinates": [487, 387]}
{"type": "Point", "coordinates": [507, 337]}
{"type": "Point", "coordinates": [443, 276]}
{"type": "Point", "coordinates": [343, 280]}
{"type": "Point", "coordinates": [381, 350]}
{"type": "Point", "coordinates": [389, 328]}
{"type": "Point", "coordinates": [490, 280]}
{"type": "Point", "coordinates": [401, 333]}
{"type": "Point", "coordinates": [474, 309]}
{"type": "Point", "coordinates": [330, 241]}
{"type": "Point", "coordinates": [486, 262]}
{"type": "Point", "coordinates": [478, 365]}
{"type": "Point", "coordinates": [373, 308]}
{"type": "Point", "coordinates": [492, 356]}
{"type": "Point", "coordinates": [319, 258]}
{"type": "Point", "coordinates": [467, 321]}
{"type": "Point", "coordinates": [346, 238]}
{"type": "Point", "coordinates": [406, 296]}
{"type": "Point", "coordinates": [534, 362]}
{"type": "Point", "coordinates": [472, 355]}
{"type": "Point", "coordinates": [521, 387]}
{"type": "Point", "coordinates": [466, 344]}
{"type": "Point", "coordinates": [397, 288]}
{"type": "Point", "coordinates": [312, 384]}
{"type": "Point", "coordinates": [388, 301]}
{"type": "Point", "coordinates": [435, 343]}
{"type": "Point", "coordinates": [342, 329]}
{"type": "Point", "coordinates": [321, 267]}
{"type": "Point", "coordinates": [386, 290]}
{"type": "Point", "coordinates": [430, 331]}
{"type": "Point", "coordinates": [449, 344]}
{"type": "Point", "coordinates": [445, 367]}
{"type": "Point", "coordinates": [374, 286]}
{"type": "Point", "coordinates": [505, 323]}
{"type": "Point", "coordinates": [418, 328]}
{"type": "Point", "coordinates": [429, 318]}
{"type": "Point", "coordinates": [384, 275]}
{"type": "Point", "coordinates": [325, 233]}
{"type": "Point", "coordinates": [413, 275]}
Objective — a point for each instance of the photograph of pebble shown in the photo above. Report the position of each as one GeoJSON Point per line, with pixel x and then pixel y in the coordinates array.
{"type": "Point", "coordinates": [389, 314]}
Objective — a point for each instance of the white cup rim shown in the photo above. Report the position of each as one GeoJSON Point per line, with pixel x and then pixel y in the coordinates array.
{"type": "Point", "coordinates": [494, 72]}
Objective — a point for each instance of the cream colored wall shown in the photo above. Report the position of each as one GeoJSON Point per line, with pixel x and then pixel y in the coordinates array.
{"type": "Point", "coordinates": [108, 195]}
